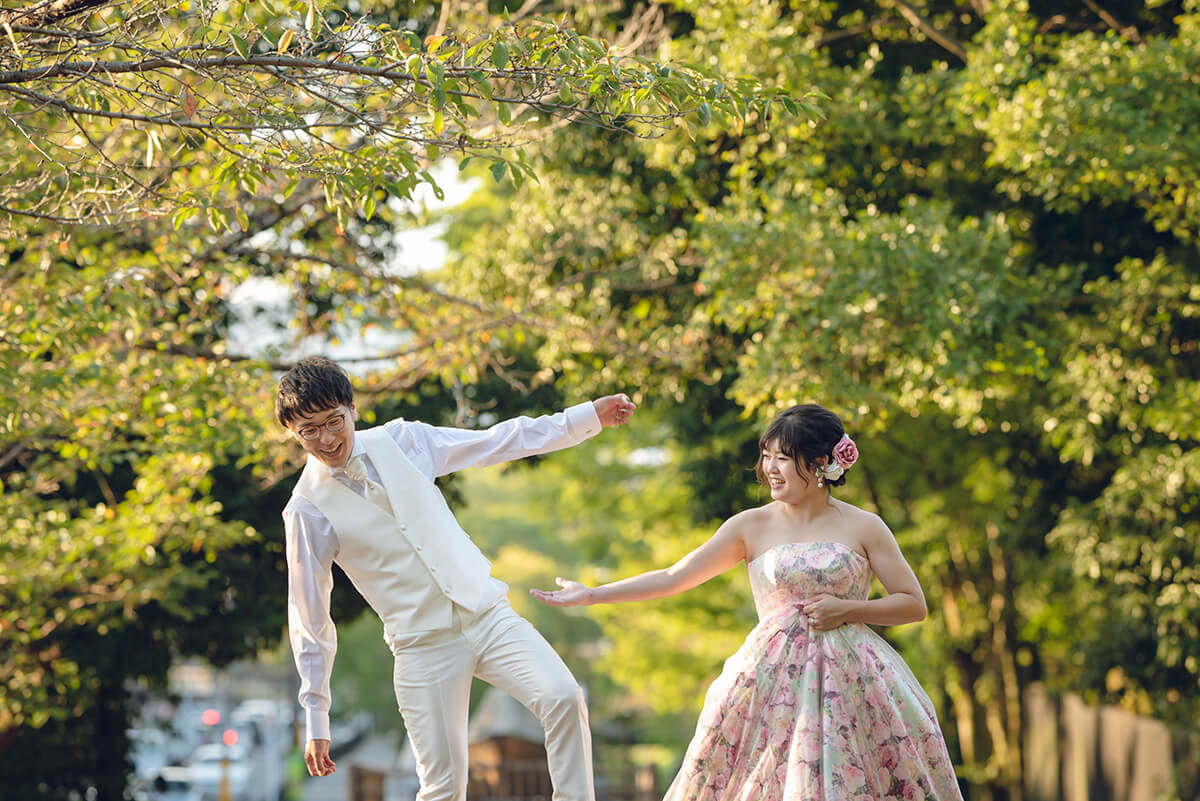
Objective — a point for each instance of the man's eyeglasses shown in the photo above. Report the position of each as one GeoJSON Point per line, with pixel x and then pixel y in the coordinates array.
{"type": "Point", "coordinates": [332, 425]}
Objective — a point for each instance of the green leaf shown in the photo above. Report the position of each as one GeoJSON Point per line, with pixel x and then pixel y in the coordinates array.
{"type": "Point", "coordinates": [437, 72]}
{"type": "Point", "coordinates": [433, 185]}
{"type": "Point", "coordinates": [181, 216]}
{"type": "Point", "coordinates": [500, 55]}
{"type": "Point", "coordinates": [310, 19]}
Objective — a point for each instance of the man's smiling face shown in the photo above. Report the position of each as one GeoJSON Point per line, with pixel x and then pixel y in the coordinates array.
{"type": "Point", "coordinates": [331, 432]}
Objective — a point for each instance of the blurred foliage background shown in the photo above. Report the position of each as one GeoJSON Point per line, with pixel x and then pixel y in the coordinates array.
{"type": "Point", "coordinates": [984, 257]}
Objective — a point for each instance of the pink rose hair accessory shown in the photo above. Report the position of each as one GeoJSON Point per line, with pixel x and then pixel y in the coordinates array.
{"type": "Point", "coordinates": [845, 454]}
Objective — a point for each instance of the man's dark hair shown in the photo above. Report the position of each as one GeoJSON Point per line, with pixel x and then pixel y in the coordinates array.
{"type": "Point", "coordinates": [313, 385]}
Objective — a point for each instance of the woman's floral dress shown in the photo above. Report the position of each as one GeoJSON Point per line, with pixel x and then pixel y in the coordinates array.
{"type": "Point", "coordinates": [804, 715]}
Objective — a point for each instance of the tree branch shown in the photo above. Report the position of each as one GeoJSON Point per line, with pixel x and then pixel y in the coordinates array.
{"type": "Point", "coordinates": [1127, 31]}
{"type": "Point", "coordinates": [266, 62]}
{"type": "Point", "coordinates": [443, 17]}
{"type": "Point", "coordinates": [37, 215]}
{"type": "Point", "coordinates": [47, 12]}
{"type": "Point", "coordinates": [14, 450]}
{"type": "Point", "coordinates": [196, 352]}
{"type": "Point", "coordinates": [945, 40]}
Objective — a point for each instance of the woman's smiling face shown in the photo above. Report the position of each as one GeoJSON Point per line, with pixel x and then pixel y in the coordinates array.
{"type": "Point", "coordinates": [784, 476]}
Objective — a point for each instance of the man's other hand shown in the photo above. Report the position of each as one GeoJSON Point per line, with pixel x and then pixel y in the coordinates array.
{"type": "Point", "coordinates": [316, 758]}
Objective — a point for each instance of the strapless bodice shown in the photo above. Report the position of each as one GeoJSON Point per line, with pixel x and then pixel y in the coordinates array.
{"type": "Point", "coordinates": [793, 571]}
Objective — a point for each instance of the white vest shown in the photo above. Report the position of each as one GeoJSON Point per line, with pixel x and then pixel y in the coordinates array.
{"type": "Point", "coordinates": [414, 566]}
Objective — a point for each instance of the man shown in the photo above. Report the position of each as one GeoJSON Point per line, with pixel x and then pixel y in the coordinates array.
{"type": "Point", "coordinates": [367, 500]}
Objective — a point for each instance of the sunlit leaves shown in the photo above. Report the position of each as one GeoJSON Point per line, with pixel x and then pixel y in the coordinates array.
{"type": "Point", "coordinates": [1105, 122]}
{"type": "Point", "coordinates": [989, 269]}
{"type": "Point", "coordinates": [286, 97]}
{"type": "Point", "coordinates": [876, 311]}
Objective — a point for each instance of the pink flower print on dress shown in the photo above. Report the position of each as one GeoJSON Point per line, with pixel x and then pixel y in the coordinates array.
{"type": "Point", "coordinates": [779, 724]}
{"type": "Point", "coordinates": [810, 745]}
{"type": "Point", "coordinates": [718, 760]}
{"type": "Point", "coordinates": [854, 723]}
{"type": "Point", "coordinates": [889, 757]}
{"type": "Point", "coordinates": [854, 777]}
{"type": "Point", "coordinates": [935, 749]}
{"type": "Point", "coordinates": [908, 770]}
{"type": "Point", "coordinates": [733, 723]}
{"type": "Point", "coordinates": [776, 645]}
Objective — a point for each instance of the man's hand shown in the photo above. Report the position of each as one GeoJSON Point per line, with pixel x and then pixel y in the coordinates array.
{"type": "Point", "coordinates": [316, 757]}
{"type": "Point", "coordinates": [572, 594]}
{"type": "Point", "coordinates": [613, 410]}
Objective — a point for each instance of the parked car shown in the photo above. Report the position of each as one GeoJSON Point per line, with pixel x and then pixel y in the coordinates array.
{"type": "Point", "coordinates": [170, 783]}
{"type": "Point", "coordinates": [211, 764]}
{"type": "Point", "coordinates": [148, 750]}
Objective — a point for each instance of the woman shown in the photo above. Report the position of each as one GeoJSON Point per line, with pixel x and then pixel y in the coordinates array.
{"type": "Point", "coordinates": [814, 705]}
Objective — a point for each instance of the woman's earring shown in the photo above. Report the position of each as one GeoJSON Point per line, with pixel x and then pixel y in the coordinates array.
{"type": "Point", "coordinates": [820, 482]}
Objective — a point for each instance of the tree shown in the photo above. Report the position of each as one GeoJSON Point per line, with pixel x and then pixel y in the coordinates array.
{"type": "Point", "coordinates": [118, 113]}
{"type": "Point", "coordinates": [930, 261]}
{"type": "Point", "coordinates": [230, 142]}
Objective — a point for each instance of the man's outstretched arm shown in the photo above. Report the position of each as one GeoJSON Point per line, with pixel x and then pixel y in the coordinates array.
{"type": "Point", "coordinates": [441, 450]}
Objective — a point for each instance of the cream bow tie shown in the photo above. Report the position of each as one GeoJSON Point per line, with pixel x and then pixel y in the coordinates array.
{"type": "Point", "coordinates": [356, 469]}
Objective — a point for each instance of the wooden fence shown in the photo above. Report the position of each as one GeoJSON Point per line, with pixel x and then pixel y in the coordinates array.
{"type": "Point", "coordinates": [1076, 752]}
{"type": "Point", "coordinates": [515, 780]}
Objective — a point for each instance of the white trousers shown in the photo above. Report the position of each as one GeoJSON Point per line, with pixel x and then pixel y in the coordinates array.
{"type": "Point", "coordinates": [433, 684]}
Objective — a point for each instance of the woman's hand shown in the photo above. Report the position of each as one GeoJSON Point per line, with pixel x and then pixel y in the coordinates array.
{"type": "Point", "coordinates": [572, 594]}
{"type": "Point", "coordinates": [825, 612]}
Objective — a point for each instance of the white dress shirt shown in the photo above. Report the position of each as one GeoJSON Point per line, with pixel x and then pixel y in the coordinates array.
{"type": "Point", "coordinates": [312, 544]}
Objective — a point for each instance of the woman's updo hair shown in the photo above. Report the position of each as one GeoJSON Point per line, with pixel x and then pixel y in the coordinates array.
{"type": "Point", "coordinates": [803, 433]}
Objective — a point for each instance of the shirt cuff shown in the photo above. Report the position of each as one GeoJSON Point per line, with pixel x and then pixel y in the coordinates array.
{"type": "Point", "coordinates": [582, 421]}
{"type": "Point", "coordinates": [316, 723]}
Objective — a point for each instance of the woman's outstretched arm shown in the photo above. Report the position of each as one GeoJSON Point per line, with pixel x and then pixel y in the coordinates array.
{"type": "Point", "coordinates": [722, 551]}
